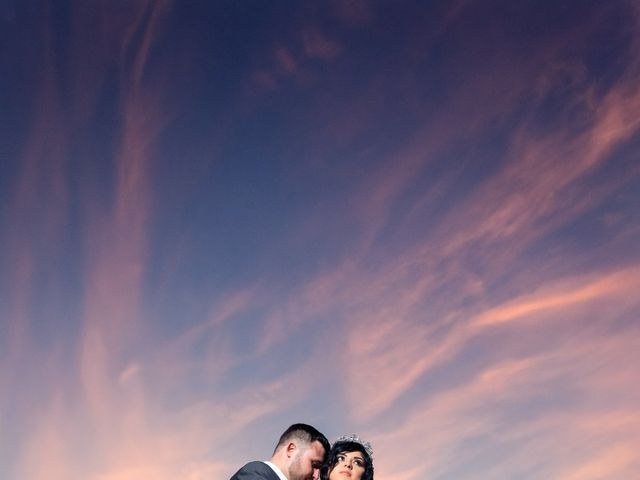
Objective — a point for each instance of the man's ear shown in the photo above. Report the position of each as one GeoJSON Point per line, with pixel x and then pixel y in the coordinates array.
{"type": "Point", "coordinates": [291, 449]}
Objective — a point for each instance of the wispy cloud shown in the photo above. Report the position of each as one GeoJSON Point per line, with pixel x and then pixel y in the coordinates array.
{"type": "Point", "coordinates": [391, 349]}
{"type": "Point", "coordinates": [355, 13]}
{"type": "Point", "coordinates": [41, 180]}
{"type": "Point", "coordinates": [432, 276]}
{"type": "Point", "coordinates": [317, 45]}
{"type": "Point", "coordinates": [616, 461]}
{"type": "Point", "coordinates": [559, 297]}
{"type": "Point", "coordinates": [395, 309]}
{"type": "Point", "coordinates": [498, 407]}
{"type": "Point", "coordinates": [118, 235]}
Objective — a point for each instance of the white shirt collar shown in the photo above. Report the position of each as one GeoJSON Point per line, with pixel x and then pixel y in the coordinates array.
{"type": "Point", "coordinates": [281, 475]}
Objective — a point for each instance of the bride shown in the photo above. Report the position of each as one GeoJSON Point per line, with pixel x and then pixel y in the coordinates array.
{"type": "Point", "coordinates": [350, 458]}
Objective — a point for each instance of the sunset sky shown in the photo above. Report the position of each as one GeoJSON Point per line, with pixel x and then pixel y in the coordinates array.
{"type": "Point", "coordinates": [415, 221]}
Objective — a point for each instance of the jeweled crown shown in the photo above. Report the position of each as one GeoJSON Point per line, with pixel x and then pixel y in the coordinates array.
{"type": "Point", "coordinates": [356, 439]}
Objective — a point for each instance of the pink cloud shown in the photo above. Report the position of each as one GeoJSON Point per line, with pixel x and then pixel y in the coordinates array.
{"type": "Point", "coordinates": [395, 324]}
{"type": "Point", "coordinates": [539, 167]}
{"type": "Point", "coordinates": [617, 461]}
{"type": "Point", "coordinates": [220, 313]}
{"type": "Point", "coordinates": [512, 203]}
{"type": "Point", "coordinates": [48, 454]}
{"type": "Point", "coordinates": [354, 12]}
{"type": "Point", "coordinates": [285, 61]}
{"type": "Point", "coordinates": [317, 45]}
{"type": "Point", "coordinates": [437, 436]}
{"type": "Point", "coordinates": [280, 65]}
{"type": "Point", "coordinates": [36, 213]}
{"type": "Point", "coordinates": [393, 343]}
{"type": "Point", "coordinates": [558, 297]}
{"type": "Point", "coordinates": [265, 80]}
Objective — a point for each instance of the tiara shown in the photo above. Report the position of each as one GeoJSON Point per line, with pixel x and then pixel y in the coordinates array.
{"type": "Point", "coordinates": [356, 439]}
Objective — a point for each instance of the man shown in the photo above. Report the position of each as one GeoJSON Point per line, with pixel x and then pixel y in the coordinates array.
{"type": "Point", "coordinates": [298, 456]}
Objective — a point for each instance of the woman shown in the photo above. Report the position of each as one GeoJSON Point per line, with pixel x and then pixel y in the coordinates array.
{"type": "Point", "coordinates": [349, 459]}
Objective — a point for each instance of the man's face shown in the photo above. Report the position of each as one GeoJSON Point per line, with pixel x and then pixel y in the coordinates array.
{"type": "Point", "coordinates": [306, 463]}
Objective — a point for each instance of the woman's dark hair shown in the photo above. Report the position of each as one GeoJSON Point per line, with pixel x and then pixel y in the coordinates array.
{"type": "Point", "coordinates": [342, 447]}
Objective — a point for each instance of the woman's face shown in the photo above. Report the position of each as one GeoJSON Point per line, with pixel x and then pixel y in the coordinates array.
{"type": "Point", "coordinates": [350, 466]}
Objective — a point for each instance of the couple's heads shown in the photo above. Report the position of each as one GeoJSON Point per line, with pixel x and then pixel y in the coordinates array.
{"type": "Point", "coordinates": [303, 453]}
{"type": "Point", "coordinates": [349, 459]}
{"type": "Point", "coordinates": [300, 452]}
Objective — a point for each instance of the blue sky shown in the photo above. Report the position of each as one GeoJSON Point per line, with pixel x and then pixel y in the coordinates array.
{"type": "Point", "coordinates": [417, 222]}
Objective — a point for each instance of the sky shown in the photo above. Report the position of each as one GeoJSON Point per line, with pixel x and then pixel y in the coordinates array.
{"type": "Point", "coordinates": [414, 221]}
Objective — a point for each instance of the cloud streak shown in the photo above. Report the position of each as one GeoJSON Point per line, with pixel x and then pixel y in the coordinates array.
{"type": "Point", "coordinates": [478, 418]}
{"type": "Point", "coordinates": [420, 229]}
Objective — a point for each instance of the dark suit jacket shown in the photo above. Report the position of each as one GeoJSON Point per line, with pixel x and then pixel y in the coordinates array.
{"type": "Point", "coordinates": [255, 470]}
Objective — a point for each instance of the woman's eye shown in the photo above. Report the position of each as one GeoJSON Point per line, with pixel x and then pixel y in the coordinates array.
{"type": "Point", "coordinates": [359, 463]}
{"type": "Point", "coordinates": [341, 458]}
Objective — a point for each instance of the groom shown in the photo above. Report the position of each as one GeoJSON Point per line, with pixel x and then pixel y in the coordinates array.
{"type": "Point", "coordinates": [298, 456]}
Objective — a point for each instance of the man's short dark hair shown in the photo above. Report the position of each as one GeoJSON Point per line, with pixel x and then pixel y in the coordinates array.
{"type": "Point", "coordinates": [303, 433]}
